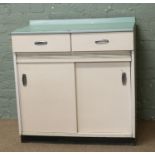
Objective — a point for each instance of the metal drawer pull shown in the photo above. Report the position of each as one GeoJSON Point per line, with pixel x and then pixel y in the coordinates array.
{"type": "Point", "coordinates": [40, 43]}
{"type": "Point", "coordinates": [103, 41]}
{"type": "Point", "coordinates": [124, 78]}
{"type": "Point", "coordinates": [24, 80]}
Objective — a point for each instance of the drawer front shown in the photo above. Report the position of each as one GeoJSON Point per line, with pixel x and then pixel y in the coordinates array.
{"type": "Point", "coordinates": [41, 43]}
{"type": "Point", "coordinates": [102, 41]}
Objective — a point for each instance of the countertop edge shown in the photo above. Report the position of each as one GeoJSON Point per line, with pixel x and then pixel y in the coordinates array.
{"type": "Point", "coordinates": [66, 32]}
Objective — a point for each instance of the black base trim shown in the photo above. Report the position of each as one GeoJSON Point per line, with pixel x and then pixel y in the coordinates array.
{"type": "Point", "coordinates": [79, 140]}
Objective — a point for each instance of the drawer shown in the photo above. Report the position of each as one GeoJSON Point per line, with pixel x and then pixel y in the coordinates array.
{"type": "Point", "coordinates": [102, 41]}
{"type": "Point", "coordinates": [41, 43]}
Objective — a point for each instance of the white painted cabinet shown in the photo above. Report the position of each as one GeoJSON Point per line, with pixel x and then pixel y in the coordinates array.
{"type": "Point", "coordinates": [76, 83]}
{"type": "Point", "coordinates": [47, 98]}
{"type": "Point", "coordinates": [104, 97]}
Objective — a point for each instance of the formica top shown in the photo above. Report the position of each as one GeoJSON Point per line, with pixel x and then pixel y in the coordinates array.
{"type": "Point", "coordinates": [121, 24]}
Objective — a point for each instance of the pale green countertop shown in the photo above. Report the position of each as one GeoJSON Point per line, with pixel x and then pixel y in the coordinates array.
{"type": "Point", "coordinates": [78, 25]}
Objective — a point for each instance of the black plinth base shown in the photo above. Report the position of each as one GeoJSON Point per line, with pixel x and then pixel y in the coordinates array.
{"type": "Point", "coordinates": [79, 140]}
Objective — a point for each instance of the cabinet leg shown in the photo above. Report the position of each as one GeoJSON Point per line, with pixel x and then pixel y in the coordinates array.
{"type": "Point", "coordinates": [24, 139]}
{"type": "Point", "coordinates": [134, 142]}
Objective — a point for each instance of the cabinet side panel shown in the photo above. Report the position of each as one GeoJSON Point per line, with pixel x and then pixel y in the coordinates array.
{"type": "Point", "coordinates": [133, 93]}
{"type": "Point", "coordinates": [17, 94]}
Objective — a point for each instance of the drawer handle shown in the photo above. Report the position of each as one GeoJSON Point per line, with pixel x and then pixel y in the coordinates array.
{"type": "Point", "coordinates": [24, 80]}
{"type": "Point", "coordinates": [124, 78]}
{"type": "Point", "coordinates": [40, 43]}
{"type": "Point", "coordinates": [103, 41]}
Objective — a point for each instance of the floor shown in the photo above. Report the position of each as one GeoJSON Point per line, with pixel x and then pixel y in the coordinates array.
{"type": "Point", "coordinates": [10, 141]}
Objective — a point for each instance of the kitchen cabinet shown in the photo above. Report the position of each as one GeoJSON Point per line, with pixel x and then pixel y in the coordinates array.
{"type": "Point", "coordinates": [76, 78]}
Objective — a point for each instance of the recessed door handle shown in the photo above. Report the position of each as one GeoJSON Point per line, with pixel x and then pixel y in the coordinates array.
{"type": "Point", "coordinates": [124, 78]}
{"type": "Point", "coordinates": [24, 80]}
